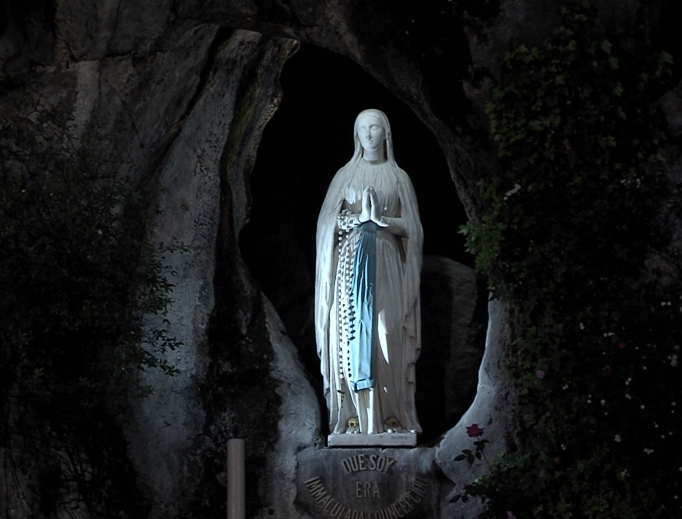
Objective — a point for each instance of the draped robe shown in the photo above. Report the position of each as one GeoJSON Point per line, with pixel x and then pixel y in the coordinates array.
{"type": "Point", "coordinates": [393, 334]}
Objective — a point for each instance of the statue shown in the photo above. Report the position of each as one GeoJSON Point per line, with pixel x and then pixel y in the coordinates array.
{"type": "Point", "coordinates": [367, 313]}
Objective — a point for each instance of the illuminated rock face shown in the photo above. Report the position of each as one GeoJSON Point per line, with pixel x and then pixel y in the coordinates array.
{"type": "Point", "coordinates": [184, 99]}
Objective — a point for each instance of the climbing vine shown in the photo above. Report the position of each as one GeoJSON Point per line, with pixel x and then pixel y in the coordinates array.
{"type": "Point", "coordinates": [77, 278]}
{"type": "Point", "coordinates": [574, 238]}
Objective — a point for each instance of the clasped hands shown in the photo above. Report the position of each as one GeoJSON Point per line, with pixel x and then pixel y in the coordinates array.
{"type": "Point", "coordinates": [371, 210]}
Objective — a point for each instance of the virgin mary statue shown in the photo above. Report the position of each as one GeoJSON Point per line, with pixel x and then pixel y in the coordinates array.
{"type": "Point", "coordinates": [367, 314]}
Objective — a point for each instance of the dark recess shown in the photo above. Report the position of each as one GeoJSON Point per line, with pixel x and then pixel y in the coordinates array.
{"type": "Point", "coordinates": [308, 139]}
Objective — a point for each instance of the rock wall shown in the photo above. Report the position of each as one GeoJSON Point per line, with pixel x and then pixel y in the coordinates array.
{"type": "Point", "coordinates": [167, 437]}
{"type": "Point", "coordinates": [182, 103]}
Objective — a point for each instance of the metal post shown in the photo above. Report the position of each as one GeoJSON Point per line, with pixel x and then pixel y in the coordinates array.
{"type": "Point", "coordinates": [235, 479]}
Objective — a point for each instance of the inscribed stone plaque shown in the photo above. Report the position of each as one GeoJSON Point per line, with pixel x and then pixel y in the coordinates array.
{"type": "Point", "coordinates": [367, 483]}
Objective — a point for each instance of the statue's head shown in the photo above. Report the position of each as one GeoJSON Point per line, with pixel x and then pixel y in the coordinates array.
{"type": "Point", "coordinates": [373, 131]}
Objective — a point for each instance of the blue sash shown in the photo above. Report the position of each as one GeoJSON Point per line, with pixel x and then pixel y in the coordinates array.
{"type": "Point", "coordinates": [362, 315]}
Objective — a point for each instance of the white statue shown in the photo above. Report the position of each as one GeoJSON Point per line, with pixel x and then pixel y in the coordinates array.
{"type": "Point", "coordinates": [367, 313]}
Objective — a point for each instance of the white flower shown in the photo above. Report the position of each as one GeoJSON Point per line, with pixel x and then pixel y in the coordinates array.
{"type": "Point", "coordinates": [641, 406]}
{"type": "Point", "coordinates": [617, 440]}
{"type": "Point", "coordinates": [673, 362]}
{"type": "Point", "coordinates": [512, 191]}
{"type": "Point", "coordinates": [603, 402]}
{"type": "Point", "coordinates": [648, 451]}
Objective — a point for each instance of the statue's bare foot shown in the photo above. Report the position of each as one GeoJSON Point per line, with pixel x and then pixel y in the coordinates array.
{"type": "Point", "coordinates": [393, 425]}
{"type": "Point", "coordinates": [353, 426]}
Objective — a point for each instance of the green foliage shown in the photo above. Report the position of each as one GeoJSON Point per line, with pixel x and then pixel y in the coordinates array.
{"type": "Point", "coordinates": [574, 239]}
{"type": "Point", "coordinates": [77, 277]}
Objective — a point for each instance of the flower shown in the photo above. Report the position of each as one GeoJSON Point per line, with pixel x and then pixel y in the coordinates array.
{"type": "Point", "coordinates": [540, 374]}
{"type": "Point", "coordinates": [512, 191]}
{"type": "Point", "coordinates": [474, 431]}
{"type": "Point", "coordinates": [617, 438]}
{"type": "Point", "coordinates": [510, 515]}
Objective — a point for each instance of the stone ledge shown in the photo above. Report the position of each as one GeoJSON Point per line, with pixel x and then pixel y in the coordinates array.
{"type": "Point", "coordinates": [373, 440]}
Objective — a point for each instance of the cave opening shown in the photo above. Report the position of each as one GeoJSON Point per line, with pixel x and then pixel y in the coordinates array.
{"type": "Point", "coordinates": [302, 147]}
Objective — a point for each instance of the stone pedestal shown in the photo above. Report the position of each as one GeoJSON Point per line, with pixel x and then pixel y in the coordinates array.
{"type": "Point", "coordinates": [373, 440]}
{"type": "Point", "coordinates": [368, 483]}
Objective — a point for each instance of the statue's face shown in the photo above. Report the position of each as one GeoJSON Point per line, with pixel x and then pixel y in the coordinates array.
{"type": "Point", "coordinates": [371, 133]}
